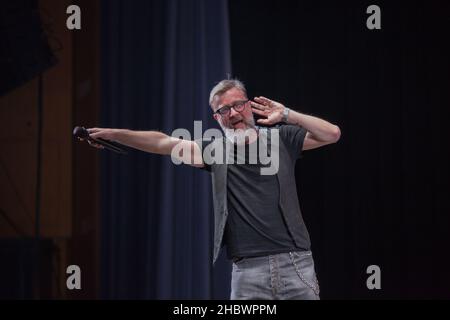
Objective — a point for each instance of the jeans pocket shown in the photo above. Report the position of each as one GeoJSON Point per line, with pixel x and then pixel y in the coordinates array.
{"type": "Point", "coordinates": [239, 265]}
{"type": "Point", "coordinates": [304, 266]}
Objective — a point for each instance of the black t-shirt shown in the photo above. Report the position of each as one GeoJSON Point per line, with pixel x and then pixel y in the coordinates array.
{"type": "Point", "coordinates": [255, 224]}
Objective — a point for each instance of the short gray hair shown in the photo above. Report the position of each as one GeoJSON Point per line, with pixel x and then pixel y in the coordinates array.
{"type": "Point", "coordinates": [225, 85]}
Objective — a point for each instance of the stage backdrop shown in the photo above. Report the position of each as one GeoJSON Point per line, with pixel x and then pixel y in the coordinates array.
{"type": "Point", "coordinates": [380, 196]}
{"type": "Point", "coordinates": [159, 61]}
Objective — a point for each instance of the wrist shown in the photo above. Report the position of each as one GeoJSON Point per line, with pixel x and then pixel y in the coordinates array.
{"type": "Point", "coordinates": [285, 115]}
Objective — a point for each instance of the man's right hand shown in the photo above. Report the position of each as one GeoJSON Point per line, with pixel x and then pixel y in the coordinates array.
{"type": "Point", "coordinates": [103, 133]}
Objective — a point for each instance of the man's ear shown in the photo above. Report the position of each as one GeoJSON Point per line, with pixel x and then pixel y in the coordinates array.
{"type": "Point", "coordinates": [216, 116]}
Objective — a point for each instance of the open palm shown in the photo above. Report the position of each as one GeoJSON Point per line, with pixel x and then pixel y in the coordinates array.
{"type": "Point", "coordinates": [272, 110]}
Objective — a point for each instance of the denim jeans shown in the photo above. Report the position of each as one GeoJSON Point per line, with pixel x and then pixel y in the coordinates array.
{"type": "Point", "coordinates": [283, 276]}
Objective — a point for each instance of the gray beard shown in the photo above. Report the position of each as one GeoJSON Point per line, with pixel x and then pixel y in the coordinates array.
{"type": "Point", "coordinates": [238, 135]}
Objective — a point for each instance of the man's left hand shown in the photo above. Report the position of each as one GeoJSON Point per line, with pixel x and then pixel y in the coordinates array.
{"type": "Point", "coordinates": [270, 109]}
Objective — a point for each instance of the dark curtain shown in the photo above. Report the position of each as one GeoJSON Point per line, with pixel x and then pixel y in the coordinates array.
{"type": "Point", "coordinates": [381, 195]}
{"type": "Point", "coordinates": [159, 61]}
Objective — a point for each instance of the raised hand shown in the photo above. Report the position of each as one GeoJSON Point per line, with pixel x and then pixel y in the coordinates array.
{"type": "Point", "coordinates": [270, 109]}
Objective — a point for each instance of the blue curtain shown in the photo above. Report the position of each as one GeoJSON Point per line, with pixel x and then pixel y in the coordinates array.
{"type": "Point", "coordinates": [159, 61]}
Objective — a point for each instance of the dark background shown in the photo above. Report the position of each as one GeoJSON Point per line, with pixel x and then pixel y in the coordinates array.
{"type": "Point", "coordinates": [379, 196]}
{"type": "Point", "coordinates": [140, 227]}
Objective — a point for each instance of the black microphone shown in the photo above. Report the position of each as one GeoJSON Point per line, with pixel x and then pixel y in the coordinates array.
{"type": "Point", "coordinates": [82, 133]}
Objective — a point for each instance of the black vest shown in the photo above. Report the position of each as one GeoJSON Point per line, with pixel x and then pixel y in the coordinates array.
{"type": "Point", "coordinates": [289, 204]}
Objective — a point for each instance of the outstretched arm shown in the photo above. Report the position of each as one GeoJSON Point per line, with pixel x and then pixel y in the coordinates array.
{"type": "Point", "coordinates": [320, 132]}
{"type": "Point", "coordinates": [152, 142]}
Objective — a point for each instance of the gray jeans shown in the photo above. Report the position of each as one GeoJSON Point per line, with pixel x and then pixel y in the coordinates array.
{"type": "Point", "coordinates": [283, 276]}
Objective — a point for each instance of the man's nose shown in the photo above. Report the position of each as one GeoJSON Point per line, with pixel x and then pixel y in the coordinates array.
{"type": "Point", "coordinates": [233, 113]}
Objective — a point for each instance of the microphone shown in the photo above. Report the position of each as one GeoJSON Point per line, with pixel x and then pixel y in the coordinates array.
{"type": "Point", "coordinates": [82, 133]}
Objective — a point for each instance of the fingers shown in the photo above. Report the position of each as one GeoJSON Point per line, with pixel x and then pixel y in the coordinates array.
{"type": "Point", "coordinates": [264, 121]}
{"type": "Point", "coordinates": [259, 112]}
{"type": "Point", "coordinates": [93, 130]}
{"type": "Point", "coordinates": [99, 134]}
{"type": "Point", "coordinates": [93, 144]}
{"type": "Point", "coordinates": [263, 100]}
{"type": "Point", "coordinates": [96, 145]}
{"type": "Point", "coordinates": [258, 106]}
{"type": "Point", "coordinates": [103, 133]}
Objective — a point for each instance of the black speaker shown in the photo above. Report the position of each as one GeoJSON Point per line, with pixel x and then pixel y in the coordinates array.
{"type": "Point", "coordinates": [24, 47]}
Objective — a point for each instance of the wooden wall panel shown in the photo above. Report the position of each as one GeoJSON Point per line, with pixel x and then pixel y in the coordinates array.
{"type": "Point", "coordinates": [70, 178]}
{"type": "Point", "coordinates": [57, 138]}
{"type": "Point", "coordinates": [85, 243]}
{"type": "Point", "coordinates": [18, 137]}
{"type": "Point", "coordinates": [18, 160]}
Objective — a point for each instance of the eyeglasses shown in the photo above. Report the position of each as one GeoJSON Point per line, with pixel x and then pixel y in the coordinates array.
{"type": "Point", "coordinates": [237, 106]}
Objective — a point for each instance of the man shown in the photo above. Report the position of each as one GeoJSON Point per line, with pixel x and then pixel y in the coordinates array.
{"type": "Point", "coordinates": [257, 216]}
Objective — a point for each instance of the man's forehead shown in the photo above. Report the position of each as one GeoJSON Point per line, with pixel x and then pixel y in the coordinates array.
{"type": "Point", "coordinates": [229, 97]}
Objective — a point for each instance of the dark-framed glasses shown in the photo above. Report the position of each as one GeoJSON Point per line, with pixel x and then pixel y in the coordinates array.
{"type": "Point", "coordinates": [237, 106]}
